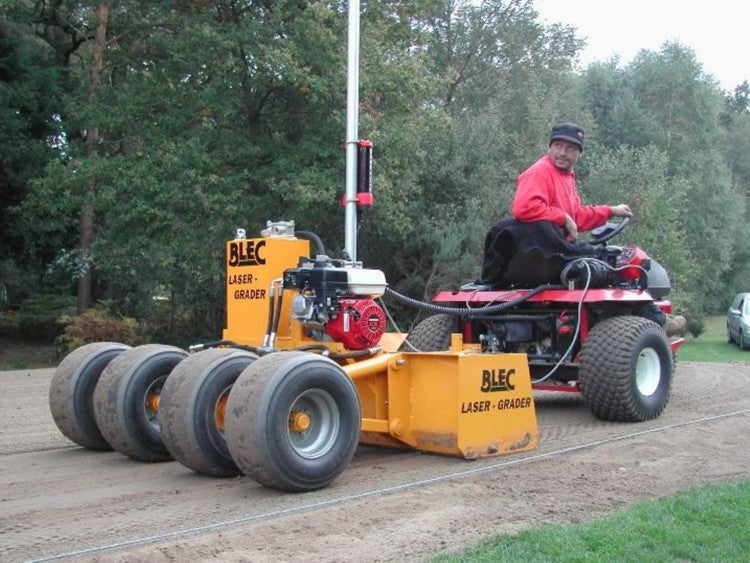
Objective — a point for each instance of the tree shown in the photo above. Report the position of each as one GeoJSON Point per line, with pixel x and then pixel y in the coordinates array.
{"type": "Point", "coordinates": [30, 92]}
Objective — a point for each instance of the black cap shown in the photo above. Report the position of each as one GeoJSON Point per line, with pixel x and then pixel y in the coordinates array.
{"type": "Point", "coordinates": [567, 132]}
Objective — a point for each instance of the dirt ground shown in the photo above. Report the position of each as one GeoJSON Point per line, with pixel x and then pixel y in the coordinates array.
{"type": "Point", "coordinates": [60, 501]}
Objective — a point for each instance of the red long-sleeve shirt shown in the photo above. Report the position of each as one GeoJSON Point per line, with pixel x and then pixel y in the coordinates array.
{"type": "Point", "coordinates": [546, 193]}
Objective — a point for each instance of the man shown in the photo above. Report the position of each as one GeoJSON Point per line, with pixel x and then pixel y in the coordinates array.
{"type": "Point", "coordinates": [547, 208]}
{"type": "Point", "coordinates": [546, 191]}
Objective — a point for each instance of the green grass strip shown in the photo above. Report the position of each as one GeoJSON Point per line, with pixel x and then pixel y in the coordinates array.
{"type": "Point", "coordinates": [711, 523]}
{"type": "Point", "coordinates": [712, 345]}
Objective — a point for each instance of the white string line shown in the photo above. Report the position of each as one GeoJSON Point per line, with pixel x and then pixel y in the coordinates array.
{"type": "Point", "coordinates": [383, 491]}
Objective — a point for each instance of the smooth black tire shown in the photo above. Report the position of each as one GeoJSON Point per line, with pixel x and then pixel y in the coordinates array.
{"type": "Point", "coordinates": [293, 421]}
{"type": "Point", "coordinates": [192, 409]}
{"type": "Point", "coordinates": [626, 369]}
{"type": "Point", "coordinates": [741, 341]}
{"type": "Point", "coordinates": [126, 400]}
{"type": "Point", "coordinates": [71, 392]}
{"type": "Point", "coordinates": [433, 334]}
{"type": "Point", "coordinates": [729, 336]}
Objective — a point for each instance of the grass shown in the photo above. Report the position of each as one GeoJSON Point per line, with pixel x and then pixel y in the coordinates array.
{"type": "Point", "coordinates": [705, 524]}
{"type": "Point", "coordinates": [712, 345]}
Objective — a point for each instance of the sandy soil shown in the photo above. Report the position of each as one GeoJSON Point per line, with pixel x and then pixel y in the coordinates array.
{"type": "Point", "coordinates": [60, 501]}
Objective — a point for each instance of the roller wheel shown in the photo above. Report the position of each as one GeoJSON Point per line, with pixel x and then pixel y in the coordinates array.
{"type": "Point", "coordinates": [126, 400]}
{"type": "Point", "coordinates": [71, 392]}
{"type": "Point", "coordinates": [431, 335]}
{"type": "Point", "coordinates": [626, 369]}
{"type": "Point", "coordinates": [192, 409]}
{"type": "Point", "coordinates": [293, 421]}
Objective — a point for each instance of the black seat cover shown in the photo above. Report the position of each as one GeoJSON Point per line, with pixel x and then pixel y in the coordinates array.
{"type": "Point", "coordinates": [521, 255]}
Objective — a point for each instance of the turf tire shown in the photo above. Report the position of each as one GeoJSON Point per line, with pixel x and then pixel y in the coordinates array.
{"type": "Point", "coordinates": [433, 334]}
{"type": "Point", "coordinates": [626, 369]}
{"type": "Point", "coordinates": [125, 419]}
{"type": "Point", "coordinates": [192, 407]}
{"type": "Point", "coordinates": [71, 392]}
{"type": "Point", "coordinates": [262, 404]}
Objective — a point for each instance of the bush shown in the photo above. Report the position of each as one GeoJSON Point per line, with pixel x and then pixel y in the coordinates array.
{"type": "Point", "coordinates": [9, 324]}
{"type": "Point", "coordinates": [15, 284]}
{"type": "Point", "coordinates": [39, 316]}
{"type": "Point", "coordinates": [96, 325]}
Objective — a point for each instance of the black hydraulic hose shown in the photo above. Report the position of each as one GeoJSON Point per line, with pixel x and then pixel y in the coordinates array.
{"type": "Point", "coordinates": [354, 354]}
{"type": "Point", "coordinates": [320, 248]}
{"type": "Point", "coordinates": [269, 324]}
{"type": "Point", "coordinates": [226, 343]}
{"type": "Point", "coordinates": [277, 312]}
{"type": "Point", "coordinates": [466, 311]}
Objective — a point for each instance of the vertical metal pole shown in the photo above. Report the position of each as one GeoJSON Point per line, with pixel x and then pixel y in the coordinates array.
{"type": "Point", "coordinates": [352, 123]}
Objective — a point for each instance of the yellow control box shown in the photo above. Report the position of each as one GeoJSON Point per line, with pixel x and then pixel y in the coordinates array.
{"type": "Point", "coordinates": [252, 265]}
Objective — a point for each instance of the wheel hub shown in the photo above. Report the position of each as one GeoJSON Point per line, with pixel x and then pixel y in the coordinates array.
{"type": "Point", "coordinates": [299, 421]}
{"type": "Point", "coordinates": [314, 423]}
{"type": "Point", "coordinates": [647, 372]}
{"type": "Point", "coordinates": [220, 410]}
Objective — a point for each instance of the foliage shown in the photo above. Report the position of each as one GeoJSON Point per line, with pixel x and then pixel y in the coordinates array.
{"type": "Point", "coordinates": [703, 524]}
{"type": "Point", "coordinates": [39, 316]}
{"type": "Point", "coordinates": [213, 115]}
{"type": "Point", "coordinates": [97, 325]}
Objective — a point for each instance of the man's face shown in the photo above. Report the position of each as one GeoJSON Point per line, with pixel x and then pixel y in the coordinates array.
{"type": "Point", "coordinates": [564, 154]}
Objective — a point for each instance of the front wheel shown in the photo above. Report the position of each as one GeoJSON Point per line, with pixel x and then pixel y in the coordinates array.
{"type": "Point", "coordinates": [741, 343]}
{"type": "Point", "coordinates": [433, 334]}
{"type": "Point", "coordinates": [293, 421]}
{"type": "Point", "coordinates": [626, 369]}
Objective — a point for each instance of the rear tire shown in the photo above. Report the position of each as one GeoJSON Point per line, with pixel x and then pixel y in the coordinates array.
{"type": "Point", "coordinates": [126, 400]}
{"type": "Point", "coordinates": [626, 370]}
{"type": "Point", "coordinates": [293, 421]}
{"type": "Point", "coordinates": [71, 392]}
{"type": "Point", "coordinates": [192, 409]}
{"type": "Point", "coordinates": [741, 343]}
{"type": "Point", "coordinates": [433, 334]}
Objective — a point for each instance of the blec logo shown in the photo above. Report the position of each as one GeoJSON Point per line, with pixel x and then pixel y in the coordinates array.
{"type": "Point", "coordinates": [246, 253]}
{"type": "Point", "coordinates": [497, 380]}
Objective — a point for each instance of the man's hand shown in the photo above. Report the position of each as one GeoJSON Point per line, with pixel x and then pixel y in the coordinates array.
{"type": "Point", "coordinates": [621, 210]}
{"type": "Point", "coordinates": [571, 228]}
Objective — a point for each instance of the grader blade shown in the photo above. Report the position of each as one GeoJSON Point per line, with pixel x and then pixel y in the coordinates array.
{"type": "Point", "coordinates": [460, 404]}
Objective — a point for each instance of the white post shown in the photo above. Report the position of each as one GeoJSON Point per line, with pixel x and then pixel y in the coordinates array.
{"type": "Point", "coordinates": [352, 122]}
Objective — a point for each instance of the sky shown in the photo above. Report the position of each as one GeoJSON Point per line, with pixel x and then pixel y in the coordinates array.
{"type": "Point", "coordinates": [717, 31]}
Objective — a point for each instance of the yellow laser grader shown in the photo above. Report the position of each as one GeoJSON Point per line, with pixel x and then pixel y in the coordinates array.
{"type": "Point", "coordinates": [305, 370]}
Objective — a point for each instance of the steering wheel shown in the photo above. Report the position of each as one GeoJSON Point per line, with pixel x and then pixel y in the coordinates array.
{"type": "Point", "coordinates": [607, 231]}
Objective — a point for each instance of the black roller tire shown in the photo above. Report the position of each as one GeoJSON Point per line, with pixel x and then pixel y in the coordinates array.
{"type": "Point", "coordinates": [126, 399]}
{"type": "Point", "coordinates": [626, 369]}
{"type": "Point", "coordinates": [293, 421]}
{"type": "Point", "coordinates": [431, 335]}
{"type": "Point", "coordinates": [71, 392]}
{"type": "Point", "coordinates": [192, 409]}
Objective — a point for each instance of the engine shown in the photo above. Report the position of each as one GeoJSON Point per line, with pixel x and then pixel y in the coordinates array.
{"type": "Point", "coordinates": [625, 267]}
{"type": "Point", "coordinates": [335, 301]}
